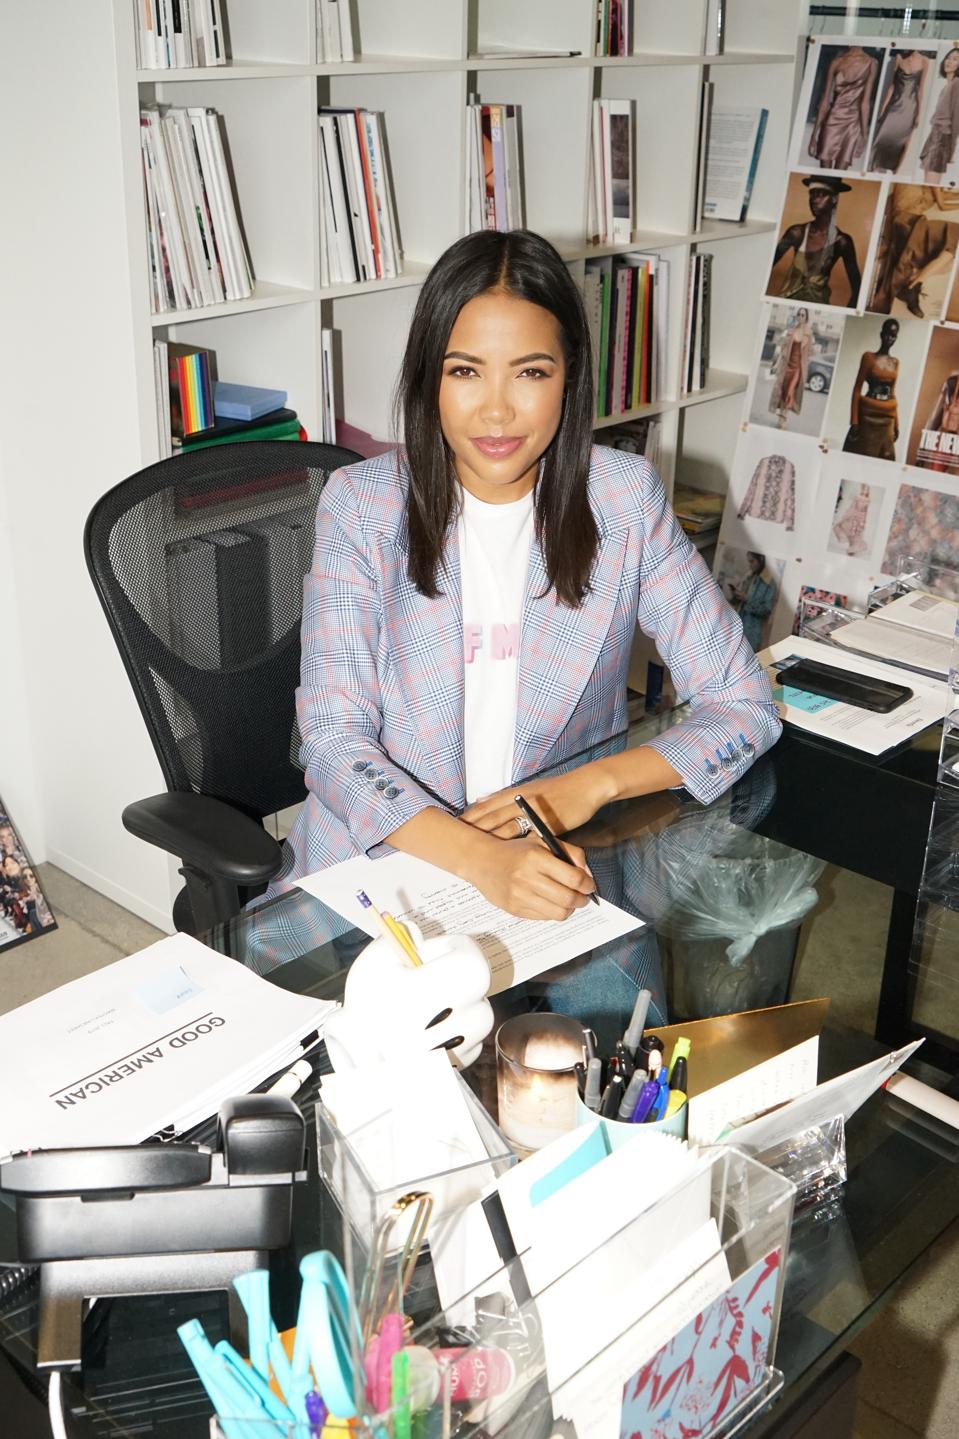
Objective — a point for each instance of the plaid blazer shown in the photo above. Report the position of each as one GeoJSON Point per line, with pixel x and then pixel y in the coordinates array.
{"type": "Point", "coordinates": [380, 702]}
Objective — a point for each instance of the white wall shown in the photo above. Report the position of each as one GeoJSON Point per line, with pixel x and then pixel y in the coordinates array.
{"type": "Point", "coordinates": [69, 418]}
{"type": "Point", "coordinates": [18, 776]}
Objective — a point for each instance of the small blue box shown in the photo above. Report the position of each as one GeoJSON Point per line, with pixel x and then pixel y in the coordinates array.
{"type": "Point", "coordinates": [245, 402]}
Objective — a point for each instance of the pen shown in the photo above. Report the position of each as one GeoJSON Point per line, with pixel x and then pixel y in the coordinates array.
{"type": "Point", "coordinates": [594, 1079]}
{"type": "Point", "coordinates": [632, 1094]}
{"type": "Point", "coordinates": [613, 1097]}
{"type": "Point", "coordinates": [678, 1077]}
{"type": "Point", "coordinates": [293, 1080]}
{"type": "Point", "coordinates": [644, 1103]}
{"type": "Point", "coordinates": [547, 836]}
{"type": "Point", "coordinates": [658, 1108]}
{"type": "Point", "coordinates": [637, 1023]}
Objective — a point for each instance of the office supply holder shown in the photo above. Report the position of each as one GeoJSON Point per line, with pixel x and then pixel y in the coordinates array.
{"type": "Point", "coordinates": [154, 1219]}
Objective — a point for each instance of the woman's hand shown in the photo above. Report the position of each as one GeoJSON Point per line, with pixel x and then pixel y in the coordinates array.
{"type": "Point", "coordinates": [526, 880]}
{"type": "Point", "coordinates": [564, 801]}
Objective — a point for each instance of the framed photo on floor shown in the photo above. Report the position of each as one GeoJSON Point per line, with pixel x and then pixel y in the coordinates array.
{"type": "Point", "coordinates": [24, 911]}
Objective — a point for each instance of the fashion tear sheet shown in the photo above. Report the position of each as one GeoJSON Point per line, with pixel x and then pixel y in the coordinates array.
{"type": "Point", "coordinates": [439, 903]}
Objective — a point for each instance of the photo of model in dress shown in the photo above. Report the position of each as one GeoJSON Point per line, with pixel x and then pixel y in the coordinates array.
{"type": "Point", "coordinates": [854, 521]}
{"type": "Point", "coordinates": [916, 253]}
{"type": "Point", "coordinates": [934, 436]}
{"type": "Point", "coordinates": [824, 237]}
{"type": "Point", "coordinates": [874, 387]}
{"type": "Point", "coordinates": [925, 524]}
{"type": "Point", "coordinates": [834, 119]}
{"type": "Point", "coordinates": [937, 158]}
{"type": "Point", "coordinates": [751, 584]}
{"type": "Point", "coordinates": [795, 369]}
{"type": "Point", "coordinates": [905, 87]}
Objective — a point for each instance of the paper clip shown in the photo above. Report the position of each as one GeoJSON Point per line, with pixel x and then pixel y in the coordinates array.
{"type": "Point", "coordinates": [371, 1313]}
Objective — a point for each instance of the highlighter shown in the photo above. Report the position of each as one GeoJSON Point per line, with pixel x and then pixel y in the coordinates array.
{"type": "Point", "coordinates": [675, 1103]}
{"type": "Point", "coordinates": [678, 1075]}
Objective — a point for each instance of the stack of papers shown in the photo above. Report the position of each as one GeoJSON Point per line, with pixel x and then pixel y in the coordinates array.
{"type": "Point", "coordinates": [847, 724]}
{"type": "Point", "coordinates": [153, 1042]}
{"type": "Point", "coordinates": [438, 903]}
{"type": "Point", "coordinates": [916, 631]}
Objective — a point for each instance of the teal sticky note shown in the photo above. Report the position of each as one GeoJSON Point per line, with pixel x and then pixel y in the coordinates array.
{"type": "Point", "coordinates": [590, 1152]}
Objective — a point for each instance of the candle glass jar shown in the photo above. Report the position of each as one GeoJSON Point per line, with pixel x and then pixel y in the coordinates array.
{"type": "Point", "coordinates": [535, 1078]}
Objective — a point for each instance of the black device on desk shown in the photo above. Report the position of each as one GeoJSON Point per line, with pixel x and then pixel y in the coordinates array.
{"type": "Point", "coordinates": [153, 1219]}
{"type": "Point", "coordinates": [846, 686]}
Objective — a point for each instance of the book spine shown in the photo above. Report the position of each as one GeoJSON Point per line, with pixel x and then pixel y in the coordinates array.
{"type": "Point", "coordinates": [499, 167]}
{"type": "Point", "coordinates": [754, 162]}
{"type": "Point", "coordinates": [605, 280]}
{"type": "Point", "coordinates": [376, 238]}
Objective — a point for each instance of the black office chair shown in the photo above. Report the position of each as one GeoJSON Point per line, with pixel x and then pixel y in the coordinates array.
{"type": "Point", "coordinates": [199, 563]}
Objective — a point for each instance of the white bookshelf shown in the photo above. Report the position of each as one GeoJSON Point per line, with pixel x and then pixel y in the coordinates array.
{"type": "Point", "coordinates": [417, 61]}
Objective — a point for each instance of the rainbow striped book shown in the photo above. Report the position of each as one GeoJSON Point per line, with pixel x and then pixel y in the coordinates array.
{"type": "Point", "coordinates": [191, 390]}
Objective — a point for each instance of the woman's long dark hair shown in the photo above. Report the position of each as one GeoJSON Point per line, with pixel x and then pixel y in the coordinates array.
{"type": "Point", "coordinates": [527, 266]}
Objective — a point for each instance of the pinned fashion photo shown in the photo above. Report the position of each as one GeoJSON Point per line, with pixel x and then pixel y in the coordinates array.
{"type": "Point", "coordinates": [924, 522]}
{"type": "Point", "coordinates": [772, 490]}
{"type": "Point", "coordinates": [855, 519]}
{"type": "Point", "coordinates": [937, 158]}
{"type": "Point", "coordinates": [836, 107]}
{"type": "Point", "coordinates": [934, 437]}
{"type": "Point", "coordinates": [824, 238]}
{"type": "Point", "coordinates": [877, 375]}
{"type": "Point", "coordinates": [905, 89]}
{"type": "Point", "coordinates": [916, 253]}
{"type": "Point", "coordinates": [795, 370]}
{"type": "Point", "coordinates": [752, 585]}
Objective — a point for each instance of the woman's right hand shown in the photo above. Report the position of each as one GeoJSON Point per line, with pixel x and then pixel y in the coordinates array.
{"type": "Point", "coordinates": [522, 877]}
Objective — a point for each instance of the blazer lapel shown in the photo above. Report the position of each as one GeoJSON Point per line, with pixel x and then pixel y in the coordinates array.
{"type": "Point", "coordinates": [559, 648]}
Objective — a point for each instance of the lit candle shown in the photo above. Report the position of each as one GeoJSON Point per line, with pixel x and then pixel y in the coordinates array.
{"type": "Point", "coordinates": [537, 1102]}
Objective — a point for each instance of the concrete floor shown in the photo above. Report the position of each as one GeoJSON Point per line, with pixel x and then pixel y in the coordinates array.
{"type": "Point", "coordinates": [910, 1379]}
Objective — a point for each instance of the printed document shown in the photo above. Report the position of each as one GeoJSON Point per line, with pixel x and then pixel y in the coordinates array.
{"type": "Point", "coordinates": [847, 724]}
{"type": "Point", "coordinates": [439, 903]}
{"type": "Point", "coordinates": [916, 631]}
{"type": "Point", "coordinates": [155, 1041]}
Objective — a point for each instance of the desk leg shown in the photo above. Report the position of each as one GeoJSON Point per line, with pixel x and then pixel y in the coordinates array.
{"type": "Point", "coordinates": [894, 1011]}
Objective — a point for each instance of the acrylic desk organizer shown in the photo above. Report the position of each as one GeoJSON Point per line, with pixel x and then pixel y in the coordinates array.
{"type": "Point", "coordinates": [815, 1162]}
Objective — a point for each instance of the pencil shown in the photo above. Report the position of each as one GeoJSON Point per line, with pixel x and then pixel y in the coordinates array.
{"type": "Point", "coordinates": [547, 836]}
{"type": "Point", "coordinates": [390, 929]}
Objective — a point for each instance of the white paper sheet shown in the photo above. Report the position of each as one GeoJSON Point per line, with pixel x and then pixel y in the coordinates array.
{"type": "Point", "coordinates": [782, 1077]}
{"type": "Point", "coordinates": [157, 1039]}
{"type": "Point", "coordinates": [439, 903]}
{"type": "Point", "coordinates": [862, 729]}
{"type": "Point", "coordinates": [842, 1095]}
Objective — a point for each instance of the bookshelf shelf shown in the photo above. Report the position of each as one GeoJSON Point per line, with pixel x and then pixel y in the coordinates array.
{"type": "Point", "coordinates": [417, 63]}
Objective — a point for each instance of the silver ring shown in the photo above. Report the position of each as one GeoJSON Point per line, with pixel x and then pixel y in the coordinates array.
{"type": "Point", "coordinates": [524, 825]}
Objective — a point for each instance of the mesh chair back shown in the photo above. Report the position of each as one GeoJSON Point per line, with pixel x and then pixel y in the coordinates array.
{"type": "Point", "coordinates": [199, 564]}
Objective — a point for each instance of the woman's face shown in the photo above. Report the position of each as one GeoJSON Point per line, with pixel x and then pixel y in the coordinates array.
{"type": "Point", "coordinates": [501, 394]}
{"type": "Point", "coordinates": [802, 317]}
{"type": "Point", "coordinates": [951, 63]}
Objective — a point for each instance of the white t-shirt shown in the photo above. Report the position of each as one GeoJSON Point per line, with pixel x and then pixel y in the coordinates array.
{"type": "Point", "coordinates": [494, 542]}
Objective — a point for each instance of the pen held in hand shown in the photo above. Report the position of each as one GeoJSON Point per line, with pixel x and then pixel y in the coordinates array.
{"type": "Point", "coordinates": [548, 837]}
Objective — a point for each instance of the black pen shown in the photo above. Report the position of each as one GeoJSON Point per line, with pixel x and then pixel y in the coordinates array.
{"type": "Point", "coordinates": [548, 837]}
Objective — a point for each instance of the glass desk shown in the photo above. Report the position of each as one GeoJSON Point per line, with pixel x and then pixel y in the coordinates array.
{"type": "Point", "coordinates": [664, 859]}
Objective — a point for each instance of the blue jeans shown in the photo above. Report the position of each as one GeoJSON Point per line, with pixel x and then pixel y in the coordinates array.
{"type": "Point", "coordinates": [600, 988]}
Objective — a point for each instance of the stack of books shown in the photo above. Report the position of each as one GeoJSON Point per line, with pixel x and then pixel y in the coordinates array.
{"type": "Point", "coordinates": [359, 238]}
{"type": "Point", "coordinates": [696, 336]}
{"type": "Point", "coordinates": [494, 177]}
{"type": "Point", "coordinates": [195, 410]}
{"type": "Point", "coordinates": [614, 27]}
{"type": "Point", "coordinates": [179, 34]}
{"type": "Point", "coordinates": [197, 253]}
{"type": "Point", "coordinates": [609, 195]}
{"type": "Point", "coordinates": [699, 512]}
{"type": "Point", "coordinates": [627, 298]}
{"type": "Point", "coordinates": [334, 31]}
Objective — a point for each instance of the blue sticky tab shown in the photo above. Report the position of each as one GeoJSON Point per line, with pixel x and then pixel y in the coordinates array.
{"type": "Point", "coordinates": [805, 701]}
{"type": "Point", "coordinates": [590, 1152]}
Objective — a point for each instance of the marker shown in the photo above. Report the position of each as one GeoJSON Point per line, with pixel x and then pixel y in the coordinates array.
{"type": "Point", "coordinates": [650, 1043]}
{"type": "Point", "coordinates": [662, 1099]}
{"type": "Point", "coordinates": [293, 1080]}
{"type": "Point", "coordinates": [401, 1395]}
{"type": "Point", "coordinates": [633, 1090]}
{"type": "Point", "coordinates": [675, 1103]}
{"type": "Point", "coordinates": [579, 1070]}
{"type": "Point", "coordinates": [548, 837]}
{"type": "Point", "coordinates": [637, 1023]}
{"type": "Point", "coordinates": [644, 1103]}
{"type": "Point", "coordinates": [678, 1078]}
{"type": "Point", "coordinates": [594, 1080]}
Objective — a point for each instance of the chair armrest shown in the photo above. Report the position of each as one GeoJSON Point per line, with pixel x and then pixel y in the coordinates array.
{"type": "Point", "coordinates": [207, 834]}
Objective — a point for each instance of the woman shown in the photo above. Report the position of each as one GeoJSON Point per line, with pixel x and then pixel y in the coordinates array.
{"type": "Point", "coordinates": [850, 527]}
{"type": "Point", "coordinates": [842, 120]}
{"type": "Point", "coordinates": [874, 416]}
{"type": "Point", "coordinates": [470, 610]}
{"type": "Point", "coordinates": [817, 245]}
{"type": "Point", "coordinates": [789, 367]}
{"type": "Point", "coordinates": [753, 597]}
{"type": "Point", "coordinates": [940, 146]}
{"type": "Point", "coordinates": [900, 109]}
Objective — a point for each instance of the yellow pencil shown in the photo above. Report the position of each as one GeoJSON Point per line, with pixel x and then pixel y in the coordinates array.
{"type": "Point", "coordinates": [404, 936]}
{"type": "Point", "coordinates": [391, 929]}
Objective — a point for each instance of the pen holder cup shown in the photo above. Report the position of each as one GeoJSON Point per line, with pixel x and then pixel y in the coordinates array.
{"type": "Point", "coordinates": [620, 1130]}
